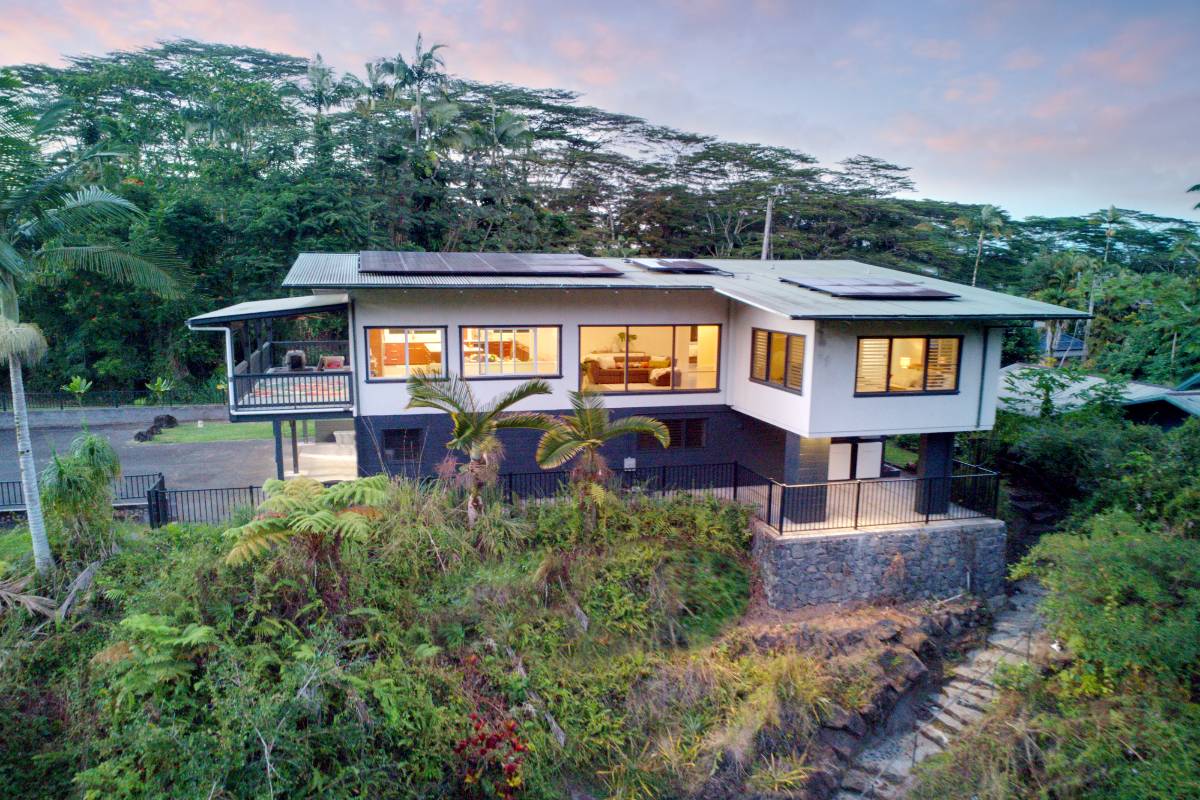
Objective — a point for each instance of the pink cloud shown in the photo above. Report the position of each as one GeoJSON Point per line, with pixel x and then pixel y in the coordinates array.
{"type": "Point", "coordinates": [938, 49]}
{"type": "Point", "coordinates": [1056, 104]}
{"type": "Point", "coordinates": [1023, 58]}
{"type": "Point", "coordinates": [978, 90]}
{"type": "Point", "coordinates": [1136, 55]}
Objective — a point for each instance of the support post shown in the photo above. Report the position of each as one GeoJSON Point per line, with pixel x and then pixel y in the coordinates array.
{"type": "Point", "coordinates": [295, 450]}
{"type": "Point", "coordinates": [935, 465]}
{"type": "Point", "coordinates": [277, 429]}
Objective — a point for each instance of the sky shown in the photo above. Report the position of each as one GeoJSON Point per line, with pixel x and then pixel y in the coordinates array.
{"type": "Point", "coordinates": [1042, 108]}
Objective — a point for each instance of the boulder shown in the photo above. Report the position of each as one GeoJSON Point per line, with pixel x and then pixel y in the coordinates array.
{"type": "Point", "coordinates": [165, 421]}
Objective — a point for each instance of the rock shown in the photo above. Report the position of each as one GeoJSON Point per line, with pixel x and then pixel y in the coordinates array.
{"type": "Point", "coordinates": [141, 436]}
{"type": "Point", "coordinates": [846, 720]}
{"type": "Point", "coordinates": [843, 744]}
{"type": "Point", "coordinates": [902, 667]}
{"type": "Point", "coordinates": [886, 630]}
{"type": "Point", "coordinates": [821, 784]}
{"type": "Point", "coordinates": [165, 421]}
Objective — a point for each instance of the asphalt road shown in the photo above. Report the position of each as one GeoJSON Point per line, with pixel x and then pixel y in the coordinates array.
{"type": "Point", "coordinates": [208, 465]}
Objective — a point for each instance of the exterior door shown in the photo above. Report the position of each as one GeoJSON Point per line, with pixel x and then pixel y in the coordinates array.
{"type": "Point", "coordinates": [858, 459]}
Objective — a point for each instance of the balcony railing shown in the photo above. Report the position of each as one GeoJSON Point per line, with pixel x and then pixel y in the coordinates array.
{"type": "Point", "coordinates": [293, 390]}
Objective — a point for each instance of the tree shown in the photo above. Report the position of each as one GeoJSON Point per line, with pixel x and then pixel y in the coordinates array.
{"type": "Point", "coordinates": [1195, 188]}
{"type": "Point", "coordinates": [77, 491]}
{"type": "Point", "coordinates": [44, 217]}
{"type": "Point", "coordinates": [581, 435]}
{"type": "Point", "coordinates": [475, 426]}
{"type": "Point", "coordinates": [425, 71]}
{"type": "Point", "coordinates": [989, 222]}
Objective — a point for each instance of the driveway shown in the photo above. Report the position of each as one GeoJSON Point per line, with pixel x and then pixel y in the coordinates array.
{"type": "Point", "coordinates": [208, 465]}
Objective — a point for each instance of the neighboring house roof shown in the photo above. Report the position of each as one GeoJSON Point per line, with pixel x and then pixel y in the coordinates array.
{"type": "Point", "coordinates": [1189, 384]}
{"type": "Point", "coordinates": [755, 283]}
{"type": "Point", "coordinates": [264, 309]}
{"type": "Point", "coordinates": [1013, 386]}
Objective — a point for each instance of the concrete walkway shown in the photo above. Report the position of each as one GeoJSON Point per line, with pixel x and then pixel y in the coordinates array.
{"type": "Point", "coordinates": [884, 768]}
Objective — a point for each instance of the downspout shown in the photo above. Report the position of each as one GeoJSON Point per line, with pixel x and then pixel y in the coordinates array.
{"type": "Point", "coordinates": [228, 360]}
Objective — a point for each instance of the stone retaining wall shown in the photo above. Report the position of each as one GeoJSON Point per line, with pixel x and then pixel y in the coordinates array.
{"type": "Point", "coordinates": [937, 560]}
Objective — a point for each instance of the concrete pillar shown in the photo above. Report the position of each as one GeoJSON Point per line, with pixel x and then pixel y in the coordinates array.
{"type": "Point", "coordinates": [935, 463]}
{"type": "Point", "coordinates": [295, 449]}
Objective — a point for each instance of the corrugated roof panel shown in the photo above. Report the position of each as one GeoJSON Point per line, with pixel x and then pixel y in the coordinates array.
{"type": "Point", "coordinates": [756, 283]}
{"type": "Point", "coordinates": [279, 307]}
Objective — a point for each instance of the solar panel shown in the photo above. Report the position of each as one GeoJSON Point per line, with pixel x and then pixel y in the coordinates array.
{"type": "Point", "coordinates": [494, 264]}
{"type": "Point", "coordinates": [870, 288]}
{"type": "Point", "coordinates": [681, 266]}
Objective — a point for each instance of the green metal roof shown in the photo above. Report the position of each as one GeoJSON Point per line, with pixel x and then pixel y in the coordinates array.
{"type": "Point", "coordinates": [754, 283]}
{"type": "Point", "coordinates": [280, 307]}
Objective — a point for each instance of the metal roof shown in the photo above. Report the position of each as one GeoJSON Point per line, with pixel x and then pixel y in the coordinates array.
{"type": "Point", "coordinates": [1188, 402]}
{"type": "Point", "coordinates": [755, 283]}
{"type": "Point", "coordinates": [1017, 390]}
{"type": "Point", "coordinates": [281, 307]}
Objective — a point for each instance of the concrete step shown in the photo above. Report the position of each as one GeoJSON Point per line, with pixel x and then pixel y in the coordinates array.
{"type": "Point", "coordinates": [935, 735]}
{"type": "Point", "coordinates": [966, 691]}
{"type": "Point", "coordinates": [973, 675]}
{"type": "Point", "coordinates": [964, 713]}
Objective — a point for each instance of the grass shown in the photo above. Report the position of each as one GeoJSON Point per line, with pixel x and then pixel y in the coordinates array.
{"type": "Point", "coordinates": [188, 433]}
{"type": "Point", "coordinates": [898, 455]}
{"type": "Point", "coordinates": [14, 544]}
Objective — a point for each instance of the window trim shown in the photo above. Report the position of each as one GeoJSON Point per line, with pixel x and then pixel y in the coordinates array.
{"type": "Point", "coordinates": [627, 325]}
{"type": "Point", "coordinates": [924, 373]}
{"type": "Point", "coordinates": [521, 377]}
{"type": "Point", "coordinates": [675, 444]}
{"type": "Point", "coordinates": [367, 349]}
{"type": "Point", "coordinates": [787, 352]}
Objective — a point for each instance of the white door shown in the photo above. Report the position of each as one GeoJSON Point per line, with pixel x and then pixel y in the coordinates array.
{"type": "Point", "coordinates": [869, 460]}
{"type": "Point", "coordinates": [839, 461]}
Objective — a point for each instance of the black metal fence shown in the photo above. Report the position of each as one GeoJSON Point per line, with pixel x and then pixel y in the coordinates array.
{"type": "Point", "coordinates": [127, 490]}
{"type": "Point", "coordinates": [972, 492]}
{"type": "Point", "coordinates": [113, 398]}
{"type": "Point", "coordinates": [211, 506]}
{"type": "Point", "coordinates": [292, 390]}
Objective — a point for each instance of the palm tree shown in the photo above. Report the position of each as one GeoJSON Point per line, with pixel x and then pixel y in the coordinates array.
{"type": "Point", "coordinates": [427, 69]}
{"type": "Point", "coordinates": [1112, 220]}
{"type": "Point", "coordinates": [475, 425]}
{"type": "Point", "coordinates": [1195, 188]}
{"type": "Point", "coordinates": [581, 435]}
{"type": "Point", "coordinates": [77, 490]}
{"type": "Point", "coordinates": [990, 222]}
{"type": "Point", "coordinates": [43, 216]}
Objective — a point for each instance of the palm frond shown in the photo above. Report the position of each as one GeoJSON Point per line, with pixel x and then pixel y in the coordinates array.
{"type": "Point", "coordinates": [557, 447]}
{"type": "Point", "coordinates": [517, 394]}
{"type": "Point", "coordinates": [450, 394]}
{"type": "Point", "coordinates": [13, 594]}
{"type": "Point", "coordinates": [91, 205]}
{"type": "Point", "coordinates": [111, 262]}
{"type": "Point", "coordinates": [636, 424]}
{"type": "Point", "coordinates": [533, 420]}
{"type": "Point", "coordinates": [21, 339]}
{"type": "Point", "coordinates": [12, 264]}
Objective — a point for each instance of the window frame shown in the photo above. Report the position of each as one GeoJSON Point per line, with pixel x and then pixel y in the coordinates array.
{"type": "Point", "coordinates": [367, 349]}
{"type": "Point", "coordinates": [887, 380]}
{"type": "Point", "coordinates": [787, 353]}
{"type": "Point", "coordinates": [643, 446]}
{"type": "Point", "coordinates": [627, 325]}
{"type": "Point", "coordinates": [462, 363]}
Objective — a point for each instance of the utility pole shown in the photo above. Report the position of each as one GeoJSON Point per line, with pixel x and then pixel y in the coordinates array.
{"type": "Point", "coordinates": [766, 248]}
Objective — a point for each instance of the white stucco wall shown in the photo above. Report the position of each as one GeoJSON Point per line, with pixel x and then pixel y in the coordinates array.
{"type": "Point", "coordinates": [452, 309]}
{"type": "Point", "coordinates": [835, 411]}
{"type": "Point", "coordinates": [827, 406]}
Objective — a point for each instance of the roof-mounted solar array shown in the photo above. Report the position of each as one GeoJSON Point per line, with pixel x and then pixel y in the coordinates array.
{"type": "Point", "coordinates": [870, 288]}
{"type": "Point", "coordinates": [679, 266]}
{"type": "Point", "coordinates": [511, 264]}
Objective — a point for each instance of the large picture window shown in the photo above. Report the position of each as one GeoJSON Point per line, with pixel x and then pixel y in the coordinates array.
{"type": "Point", "coordinates": [907, 365]}
{"type": "Point", "coordinates": [649, 358]}
{"type": "Point", "coordinates": [777, 359]}
{"type": "Point", "coordinates": [510, 352]}
{"type": "Point", "coordinates": [399, 353]}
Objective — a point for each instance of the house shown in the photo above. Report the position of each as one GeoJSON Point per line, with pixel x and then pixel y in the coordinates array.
{"type": "Point", "coordinates": [1146, 403]}
{"type": "Point", "coordinates": [797, 370]}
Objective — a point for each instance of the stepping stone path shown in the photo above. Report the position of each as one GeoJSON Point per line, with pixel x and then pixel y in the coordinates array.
{"type": "Point", "coordinates": [883, 769]}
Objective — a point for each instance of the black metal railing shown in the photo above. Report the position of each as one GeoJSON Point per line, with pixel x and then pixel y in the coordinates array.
{"type": "Point", "coordinates": [113, 398]}
{"type": "Point", "coordinates": [292, 390]}
{"type": "Point", "coordinates": [971, 492]}
{"type": "Point", "coordinates": [210, 506]}
{"type": "Point", "coordinates": [128, 489]}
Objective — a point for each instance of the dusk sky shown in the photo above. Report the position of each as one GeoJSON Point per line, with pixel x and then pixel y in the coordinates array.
{"type": "Point", "coordinates": [1042, 108]}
